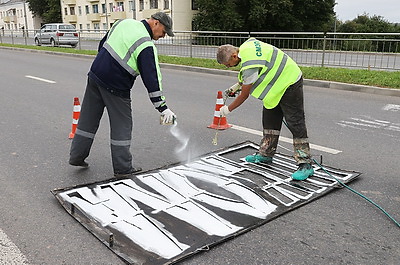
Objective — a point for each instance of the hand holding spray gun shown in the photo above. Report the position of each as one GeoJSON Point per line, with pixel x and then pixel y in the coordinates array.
{"type": "Point", "coordinates": [167, 117]}
{"type": "Point", "coordinates": [232, 91]}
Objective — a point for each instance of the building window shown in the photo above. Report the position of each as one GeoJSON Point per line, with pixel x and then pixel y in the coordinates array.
{"type": "Point", "coordinates": [166, 4]}
{"type": "Point", "coordinates": [95, 9]}
{"type": "Point", "coordinates": [12, 12]}
{"type": "Point", "coordinates": [66, 11]}
{"type": "Point", "coordinates": [119, 7]}
{"type": "Point", "coordinates": [96, 26]}
{"type": "Point", "coordinates": [153, 4]}
{"type": "Point", "coordinates": [72, 10]}
{"type": "Point", "coordinates": [141, 5]}
{"type": "Point", "coordinates": [80, 26]}
{"type": "Point", "coordinates": [87, 9]}
{"type": "Point", "coordinates": [104, 25]}
{"type": "Point", "coordinates": [132, 5]}
{"type": "Point", "coordinates": [80, 10]}
{"type": "Point", "coordinates": [88, 26]}
{"type": "Point", "coordinates": [194, 5]}
{"type": "Point", "coordinates": [103, 8]}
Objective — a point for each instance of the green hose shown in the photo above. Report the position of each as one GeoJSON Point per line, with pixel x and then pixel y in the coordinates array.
{"type": "Point", "coordinates": [354, 191]}
{"type": "Point", "coordinates": [359, 194]}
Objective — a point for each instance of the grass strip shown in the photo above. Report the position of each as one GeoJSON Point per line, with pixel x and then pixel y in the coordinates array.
{"type": "Point", "coordinates": [387, 79]}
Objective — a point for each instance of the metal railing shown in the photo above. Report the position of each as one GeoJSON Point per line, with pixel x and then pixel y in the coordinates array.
{"type": "Point", "coordinates": [379, 51]}
{"type": "Point", "coordinates": [349, 50]}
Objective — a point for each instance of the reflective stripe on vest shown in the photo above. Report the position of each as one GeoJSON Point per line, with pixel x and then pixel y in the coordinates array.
{"type": "Point", "coordinates": [255, 54]}
{"type": "Point", "coordinates": [113, 27]}
{"type": "Point", "coordinates": [272, 82]}
{"type": "Point", "coordinates": [261, 78]}
{"type": "Point", "coordinates": [125, 50]}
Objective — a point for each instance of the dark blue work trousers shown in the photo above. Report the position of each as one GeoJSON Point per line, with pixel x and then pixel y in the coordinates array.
{"type": "Point", "coordinates": [120, 117]}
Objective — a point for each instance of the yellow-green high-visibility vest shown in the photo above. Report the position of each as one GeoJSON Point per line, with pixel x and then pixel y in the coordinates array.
{"type": "Point", "coordinates": [126, 39]}
{"type": "Point", "coordinates": [278, 70]}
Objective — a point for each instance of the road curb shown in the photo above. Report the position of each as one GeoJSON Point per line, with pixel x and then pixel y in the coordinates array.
{"type": "Point", "coordinates": [307, 82]}
{"type": "Point", "coordinates": [353, 87]}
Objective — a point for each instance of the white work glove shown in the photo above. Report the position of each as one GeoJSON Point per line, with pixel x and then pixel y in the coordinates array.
{"type": "Point", "coordinates": [224, 110]}
{"type": "Point", "coordinates": [168, 116]}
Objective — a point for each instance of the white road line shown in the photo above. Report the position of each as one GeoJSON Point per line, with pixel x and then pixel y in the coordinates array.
{"type": "Point", "coordinates": [391, 107]}
{"type": "Point", "coordinates": [287, 140]}
{"type": "Point", "coordinates": [41, 79]}
{"type": "Point", "coordinates": [9, 252]}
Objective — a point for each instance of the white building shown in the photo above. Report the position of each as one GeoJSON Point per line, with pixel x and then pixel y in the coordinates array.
{"type": "Point", "coordinates": [15, 15]}
{"type": "Point", "coordinates": [101, 14]}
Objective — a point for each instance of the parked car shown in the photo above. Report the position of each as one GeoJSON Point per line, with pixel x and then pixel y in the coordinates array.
{"type": "Point", "coordinates": [57, 34]}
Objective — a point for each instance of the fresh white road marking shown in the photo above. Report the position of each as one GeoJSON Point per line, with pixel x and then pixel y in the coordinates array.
{"type": "Point", "coordinates": [391, 107]}
{"type": "Point", "coordinates": [287, 140]}
{"type": "Point", "coordinates": [9, 252]}
{"type": "Point", "coordinates": [41, 79]}
{"type": "Point", "coordinates": [368, 123]}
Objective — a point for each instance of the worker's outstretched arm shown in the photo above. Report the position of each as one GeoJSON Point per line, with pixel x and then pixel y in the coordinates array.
{"type": "Point", "coordinates": [244, 94]}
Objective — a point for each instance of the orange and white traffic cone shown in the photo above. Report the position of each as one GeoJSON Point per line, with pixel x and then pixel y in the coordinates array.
{"type": "Point", "coordinates": [75, 117]}
{"type": "Point", "coordinates": [219, 122]}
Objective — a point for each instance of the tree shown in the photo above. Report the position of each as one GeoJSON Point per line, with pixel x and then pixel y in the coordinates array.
{"type": "Point", "coordinates": [261, 15]}
{"type": "Point", "coordinates": [217, 15]}
{"type": "Point", "coordinates": [48, 10]}
{"type": "Point", "coordinates": [372, 24]}
{"type": "Point", "coordinates": [366, 23]}
{"type": "Point", "coordinates": [315, 15]}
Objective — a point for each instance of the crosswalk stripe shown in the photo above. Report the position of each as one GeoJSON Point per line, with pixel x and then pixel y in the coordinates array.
{"type": "Point", "coordinates": [9, 252]}
{"type": "Point", "coordinates": [287, 140]}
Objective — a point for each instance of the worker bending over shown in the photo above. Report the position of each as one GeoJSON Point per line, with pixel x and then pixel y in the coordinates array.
{"type": "Point", "coordinates": [267, 73]}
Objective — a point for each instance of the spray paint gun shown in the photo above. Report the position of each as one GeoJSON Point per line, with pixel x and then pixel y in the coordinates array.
{"type": "Point", "coordinates": [232, 91]}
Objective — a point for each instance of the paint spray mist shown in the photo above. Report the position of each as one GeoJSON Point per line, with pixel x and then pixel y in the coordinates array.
{"type": "Point", "coordinates": [181, 150]}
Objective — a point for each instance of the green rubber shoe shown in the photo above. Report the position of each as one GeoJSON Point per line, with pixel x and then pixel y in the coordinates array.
{"type": "Point", "coordinates": [304, 171]}
{"type": "Point", "coordinates": [258, 159]}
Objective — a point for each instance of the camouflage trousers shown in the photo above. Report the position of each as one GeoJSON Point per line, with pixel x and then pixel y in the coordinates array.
{"type": "Point", "coordinates": [290, 108]}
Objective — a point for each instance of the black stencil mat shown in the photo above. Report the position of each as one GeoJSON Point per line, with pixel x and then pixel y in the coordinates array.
{"type": "Point", "coordinates": [164, 215]}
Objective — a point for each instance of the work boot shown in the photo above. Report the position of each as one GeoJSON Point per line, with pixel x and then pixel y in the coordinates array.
{"type": "Point", "coordinates": [304, 171]}
{"type": "Point", "coordinates": [133, 171]}
{"type": "Point", "coordinates": [79, 164]}
{"type": "Point", "coordinates": [257, 158]}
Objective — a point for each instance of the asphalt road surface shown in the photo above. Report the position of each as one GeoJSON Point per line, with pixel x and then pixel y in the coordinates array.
{"type": "Point", "coordinates": [36, 103]}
